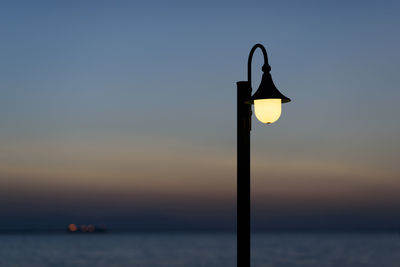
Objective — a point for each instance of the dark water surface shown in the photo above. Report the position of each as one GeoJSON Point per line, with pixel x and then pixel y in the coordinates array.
{"type": "Point", "coordinates": [195, 250]}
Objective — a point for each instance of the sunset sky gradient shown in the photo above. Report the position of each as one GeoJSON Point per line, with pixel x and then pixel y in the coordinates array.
{"type": "Point", "coordinates": [124, 113]}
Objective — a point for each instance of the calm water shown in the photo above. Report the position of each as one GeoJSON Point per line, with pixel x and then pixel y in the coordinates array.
{"type": "Point", "coordinates": [195, 250]}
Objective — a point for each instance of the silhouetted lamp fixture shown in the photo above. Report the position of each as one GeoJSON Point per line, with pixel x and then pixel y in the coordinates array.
{"type": "Point", "coordinates": [267, 102]}
{"type": "Point", "coordinates": [267, 99]}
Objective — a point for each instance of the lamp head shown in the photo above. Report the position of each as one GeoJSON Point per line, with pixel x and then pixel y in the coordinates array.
{"type": "Point", "coordinates": [267, 99]}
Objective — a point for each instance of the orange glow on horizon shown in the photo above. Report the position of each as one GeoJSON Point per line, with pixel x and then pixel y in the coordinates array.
{"type": "Point", "coordinates": [91, 228]}
{"type": "Point", "coordinates": [84, 228]}
{"type": "Point", "coordinates": [72, 227]}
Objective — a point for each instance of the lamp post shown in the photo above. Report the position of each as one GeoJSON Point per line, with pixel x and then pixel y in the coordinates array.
{"type": "Point", "coordinates": [267, 102]}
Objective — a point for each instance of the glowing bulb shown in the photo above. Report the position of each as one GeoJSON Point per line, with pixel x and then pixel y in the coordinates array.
{"type": "Point", "coordinates": [268, 110]}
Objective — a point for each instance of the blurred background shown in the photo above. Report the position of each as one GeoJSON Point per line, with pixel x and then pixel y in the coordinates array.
{"type": "Point", "coordinates": [124, 114]}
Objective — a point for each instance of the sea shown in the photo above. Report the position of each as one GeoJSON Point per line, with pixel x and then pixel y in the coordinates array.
{"type": "Point", "coordinates": [199, 250]}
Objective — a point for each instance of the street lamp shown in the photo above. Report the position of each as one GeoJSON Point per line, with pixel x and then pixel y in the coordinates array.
{"type": "Point", "coordinates": [267, 102]}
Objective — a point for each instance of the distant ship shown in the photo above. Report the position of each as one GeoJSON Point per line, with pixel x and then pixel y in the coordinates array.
{"type": "Point", "coordinates": [86, 228]}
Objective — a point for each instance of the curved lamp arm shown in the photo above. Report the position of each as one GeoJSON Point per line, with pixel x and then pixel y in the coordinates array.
{"type": "Point", "coordinates": [265, 68]}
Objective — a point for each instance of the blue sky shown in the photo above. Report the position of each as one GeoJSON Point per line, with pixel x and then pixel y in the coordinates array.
{"type": "Point", "coordinates": [137, 99]}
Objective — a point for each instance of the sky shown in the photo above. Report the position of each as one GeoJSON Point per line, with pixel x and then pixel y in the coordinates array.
{"type": "Point", "coordinates": [124, 113]}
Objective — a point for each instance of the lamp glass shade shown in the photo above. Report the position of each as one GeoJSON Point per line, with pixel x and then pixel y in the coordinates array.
{"type": "Point", "coordinates": [268, 110]}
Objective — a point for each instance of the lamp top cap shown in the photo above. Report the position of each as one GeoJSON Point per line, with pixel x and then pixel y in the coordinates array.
{"type": "Point", "coordinates": [267, 88]}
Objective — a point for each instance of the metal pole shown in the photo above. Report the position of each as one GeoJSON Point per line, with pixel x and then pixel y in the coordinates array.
{"type": "Point", "coordinates": [243, 173]}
